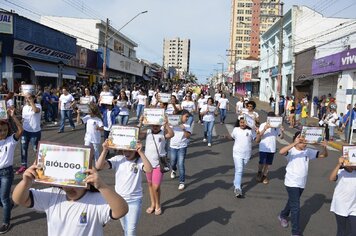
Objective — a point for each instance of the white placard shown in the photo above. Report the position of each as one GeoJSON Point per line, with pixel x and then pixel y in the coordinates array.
{"type": "Point", "coordinates": [121, 104]}
{"type": "Point", "coordinates": [275, 122]}
{"type": "Point", "coordinates": [175, 120]}
{"type": "Point", "coordinates": [211, 108]}
{"type": "Point", "coordinates": [312, 134]}
{"type": "Point", "coordinates": [250, 122]}
{"type": "Point", "coordinates": [84, 100]}
{"type": "Point", "coordinates": [107, 100]}
{"type": "Point", "coordinates": [3, 111]}
{"type": "Point", "coordinates": [28, 89]}
{"type": "Point", "coordinates": [349, 152]}
{"type": "Point", "coordinates": [153, 116]}
{"type": "Point", "coordinates": [83, 108]}
{"type": "Point", "coordinates": [123, 137]}
{"type": "Point", "coordinates": [165, 97]}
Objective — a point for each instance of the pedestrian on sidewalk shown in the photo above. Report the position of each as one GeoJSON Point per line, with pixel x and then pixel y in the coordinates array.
{"type": "Point", "coordinates": [208, 111]}
{"type": "Point", "coordinates": [7, 149]}
{"type": "Point", "coordinates": [347, 123]}
{"type": "Point", "coordinates": [31, 122]}
{"type": "Point", "coordinates": [343, 203]}
{"type": "Point", "coordinates": [267, 139]}
{"type": "Point", "coordinates": [65, 105]}
{"type": "Point", "coordinates": [304, 113]}
{"type": "Point", "coordinates": [298, 156]}
{"type": "Point", "coordinates": [129, 168]}
{"type": "Point", "coordinates": [243, 137]}
{"type": "Point", "coordinates": [178, 148]}
{"type": "Point", "coordinates": [223, 106]}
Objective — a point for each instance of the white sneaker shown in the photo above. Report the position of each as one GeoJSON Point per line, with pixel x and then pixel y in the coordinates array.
{"type": "Point", "coordinates": [173, 174]}
{"type": "Point", "coordinates": [181, 186]}
{"type": "Point", "coordinates": [209, 144]}
{"type": "Point", "coordinates": [204, 140]}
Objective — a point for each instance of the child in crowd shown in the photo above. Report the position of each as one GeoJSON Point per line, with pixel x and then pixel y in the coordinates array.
{"type": "Point", "coordinates": [94, 126]}
{"type": "Point", "coordinates": [70, 210]}
{"type": "Point", "coordinates": [298, 156]}
{"type": "Point", "coordinates": [7, 149]}
{"type": "Point", "coordinates": [344, 199]}
{"type": "Point", "coordinates": [110, 113]}
{"type": "Point", "coordinates": [128, 177]}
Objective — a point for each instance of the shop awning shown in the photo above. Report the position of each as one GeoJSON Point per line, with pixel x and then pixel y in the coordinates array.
{"type": "Point", "coordinates": [51, 70]}
{"type": "Point", "coordinates": [308, 79]}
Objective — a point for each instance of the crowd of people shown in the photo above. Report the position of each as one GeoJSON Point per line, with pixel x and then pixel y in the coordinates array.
{"type": "Point", "coordinates": [194, 104]}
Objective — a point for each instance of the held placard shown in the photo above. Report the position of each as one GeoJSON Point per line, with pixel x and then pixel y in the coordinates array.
{"type": "Point", "coordinates": [153, 116]}
{"type": "Point", "coordinates": [3, 111]}
{"type": "Point", "coordinates": [349, 152]}
{"type": "Point", "coordinates": [275, 122]}
{"type": "Point", "coordinates": [312, 135]}
{"type": "Point", "coordinates": [123, 137]}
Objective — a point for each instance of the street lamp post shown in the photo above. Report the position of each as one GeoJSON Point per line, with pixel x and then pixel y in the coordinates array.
{"type": "Point", "coordinates": [106, 38]}
{"type": "Point", "coordinates": [222, 72]}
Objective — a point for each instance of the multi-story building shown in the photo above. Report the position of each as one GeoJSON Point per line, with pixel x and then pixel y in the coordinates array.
{"type": "Point", "coordinates": [248, 21]}
{"type": "Point", "coordinates": [176, 54]}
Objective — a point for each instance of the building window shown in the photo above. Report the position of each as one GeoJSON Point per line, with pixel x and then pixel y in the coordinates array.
{"type": "Point", "coordinates": [240, 18]}
{"type": "Point", "coordinates": [247, 38]}
{"type": "Point", "coordinates": [239, 31]}
{"type": "Point", "coordinates": [249, 12]}
{"type": "Point", "coordinates": [247, 32]}
{"type": "Point", "coordinates": [239, 38]}
{"type": "Point", "coordinates": [240, 11]}
{"type": "Point", "coordinates": [241, 4]}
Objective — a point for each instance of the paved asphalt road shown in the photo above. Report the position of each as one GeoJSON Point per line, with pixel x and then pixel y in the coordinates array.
{"type": "Point", "coordinates": [208, 206]}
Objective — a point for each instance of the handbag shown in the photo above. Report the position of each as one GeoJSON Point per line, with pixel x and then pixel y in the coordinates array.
{"type": "Point", "coordinates": [164, 162]}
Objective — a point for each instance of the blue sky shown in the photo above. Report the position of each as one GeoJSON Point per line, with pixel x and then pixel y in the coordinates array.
{"type": "Point", "coordinates": [205, 22]}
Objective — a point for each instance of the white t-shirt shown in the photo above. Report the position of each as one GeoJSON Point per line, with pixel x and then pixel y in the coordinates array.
{"type": "Point", "coordinates": [170, 109]}
{"type": "Point", "coordinates": [332, 118]}
{"type": "Point", "coordinates": [7, 150]}
{"type": "Point", "coordinates": [188, 105]}
{"type": "Point", "coordinates": [134, 94]}
{"type": "Point", "coordinates": [66, 101]}
{"type": "Point", "coordinates": [124, 111]}
{"type": "Point", "coordinates": [92, 99]}
{"type": "Point", "coordinates": [127, 182]}
{"type": "Point", "coordinates": [297, 167]}
{"type": "Point", "coordinates": [9, 103]}
{"type": "Point", "coordinates": [108, 118]}
{"type": "Point", "coordinates": [128, 93]}
{"type": "Point", "coordinates": [179, 140]}
{"type": "Point", "coordinates": [31, 121]}
{"type": "Point", "coordinates": [239, 106]}
{"type": "Point", "coordinates": [209, 116]}
{"type": "Point", "coordinates": [86, 216]}
{"type": "Point", "coordinates": [253, 115]}
{"type": "Point", "coordinates": [269, 139]}
{"type": "Point", "coordinates": [217, 96]}
{"type": "Point", "coordinates": [201, 102]}
{"type": "Point", "coordinates": [194, 96]}
{"type": "Point", "coordinates": [92, 135]}
{"type": "Point", "coordinates": [344, 198]}
{"type": "Point", "coordinates": [151, 92]}
{"type": "Point", "coordinates": [141, 99]}
{"type": "Point", "coordinates": [150, 148]}
{"type": "Point", "coordinates": [223, 103]}
{"type": "Point", "coordinates": [243, 142]}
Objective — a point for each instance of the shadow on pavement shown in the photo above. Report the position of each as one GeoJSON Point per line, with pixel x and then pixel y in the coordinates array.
{"type": "Point", "coordinates": [27, 217]}
{"type": "Point", "coordinates": [207, 173]}
{"type": "Point", "coordinates": [201, 154]}
{"type": "Point", "coordinates": [191, 225]}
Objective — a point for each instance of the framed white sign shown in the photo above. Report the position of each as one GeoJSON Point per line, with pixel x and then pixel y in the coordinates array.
{"type": "Point", "coordinates": [84, 100]}
{"type": "Point", "coordinates": [28, 89]}
{"type": "Point", "coordinates": [153, 116]}
{"type": "Point", "coordinates": [107, 100]}
{"type": "Point", "coordinates": [62, 164]}
{"type": "Point", "coordinates": [275, 122]}
{"type": "Point", "coordinates": [175, 120]}
{"type": "Point", "coordinates": [3, 110]}
{"type": "Point", "coordinates": [165, 97]}
{"type": "Point", "coordinates": [250, 122]}
{"type": "Point", "coordinates": [312, 134]}
{"type": "Point", "coordinates": [349, 152]}
{"type": "Point", "coordinates": [123, 137]}
{"type": "Point", "coordinates": [83, 108]}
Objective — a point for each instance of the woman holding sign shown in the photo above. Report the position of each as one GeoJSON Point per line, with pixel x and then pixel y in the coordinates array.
{"type": "Point", "coordinates": [129, 169]}
{"type": "Point", "coordinates": [344, 198]}
{"type": "Point", "coordinates": [189, 105]}
{"type": "Point", "coordinates": [208, 112]}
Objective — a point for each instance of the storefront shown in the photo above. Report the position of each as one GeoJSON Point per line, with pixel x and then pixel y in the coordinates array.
{"type": "Point", "coordinates": [85, 63]}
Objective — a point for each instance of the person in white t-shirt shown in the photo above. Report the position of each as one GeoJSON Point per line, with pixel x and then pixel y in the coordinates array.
{"type": "Point", "coordinates": [70, 210]}
{"type": "Point", "coordinates": [31, 121]}
{"type": "Point", "coordinates": [343, 203]}
{"type": "Point", "coordinates": [129, 169]}
{"type": "Point", "coordinates": [174, 107]}
{"type": "Point", "coordinates": [141, 104]}
{"type": "Point", "coordinates": [223, 106]}
{"type": "Point", "coordinates": [123, 102]}
{"type": "Point", "coordinates": [267, 139]}
{"type": "Point", "coordinates": [65, 105]}
{"type": "Point", "coordinates": [208, 112]}
{"type": "Point", "coordinates": [298, 156]}
{"type": "Point", "coordinates": [189, 105]}
{"type": "Point", "coordinates": [151, 93]}
{"type": "Point", "coordinates": [201, 102]}
{"type": "Point", "coordinates": [8, 142]}
{"type": "Point", "coordinates": [243, 137]}
{"type": "Point", "coordinates": [87, 95]}
{"type": "Point", "coordinates": [178, 147]}
{"type": "Point", "coordinates": [330, 122]}
{"type": "Point", "coordinates": [217, 97]}
{"type": "Point", "coordinates": [239, 106]}
{"type": "Point", "coordinates": [93, 128]}
{"type": "Point", "coordinates": [105, 92]}
{"type": "Point", "coordinates": [134, 94]}
{"type": "Point", "coordinates": [251, 106]}
{"type": "Point", "coordinates": [156, 139]}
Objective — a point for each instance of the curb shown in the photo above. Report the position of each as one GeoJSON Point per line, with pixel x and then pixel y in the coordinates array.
{"type": "Point", "coordinates": [337, 146]}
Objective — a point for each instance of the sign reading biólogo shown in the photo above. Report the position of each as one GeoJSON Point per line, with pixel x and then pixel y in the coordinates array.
{"type": "Point", "coordinates": [274, 122]}
{"type": "Point", "coordinates": [250, 122]}
{"type": "Point", "coordinates": [164, 97]}
{"type": "Point", "coordinates": [349, 152]}
{"type": "Point", "coordinates": [175, 120]}
{"type": "Point", "coordinates": [28, 89]}
{"type": "Point", "coordinates": [312, 134]}
{"type": "Point", "coordinates": [123, 137]}
{"type": "Point", "coordinates": [3, 111]}
{"type": "Point", "coordinates": [62, 164]}
{"type": "Point", "coordinates": [153, 116]}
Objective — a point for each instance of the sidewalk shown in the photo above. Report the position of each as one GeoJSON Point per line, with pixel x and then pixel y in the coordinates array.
{"type": "Point", "coordinates": [337, 144]}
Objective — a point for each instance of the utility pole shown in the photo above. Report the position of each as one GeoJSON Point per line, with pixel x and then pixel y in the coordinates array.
{"type": "Point", "coordinates": [105, 47]}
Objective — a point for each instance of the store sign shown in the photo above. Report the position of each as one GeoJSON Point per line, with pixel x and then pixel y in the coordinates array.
{"type": "Point", "coordinates": [124, 64]}
{"type": "Point", "coordinates": [6, 23]}
{"type": "Point", "coordinates": [34, 51]}
{"type": "Point", "coordinates": [337, 62]}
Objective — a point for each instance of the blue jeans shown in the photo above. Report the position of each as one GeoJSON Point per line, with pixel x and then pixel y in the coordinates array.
{"type": "Point", "coordinates": [139, 111]}
{"type": "Point", "coordinates": [178, 156]}
{"type": "Point", "coordinates": [48, 112]}
{"type": "Point", "coordinates": [190, 120]}
{"type": "Point", "coordinates": [293, 207]}
{"type": "Point", "coordinates": [222, 115]}
{"type": "Point", "coordinates": [96, 147]}
{"type": "Point", "coordinates": [208, 130]}
{"type": "Point", "coordinates": [130, 220]}
{"type": "Point", "coordinates": [6, 178]}
{"type": "Point", "coordinates": [26, 137]}
{"type": "Point", "coordinates": [239, 163]}
{"type": "Point", "coordinates": [66, 114]}
{"type": "Point", "coordinates": [54, 111]}
{"type": "Point", "coordinates": [123, 120]}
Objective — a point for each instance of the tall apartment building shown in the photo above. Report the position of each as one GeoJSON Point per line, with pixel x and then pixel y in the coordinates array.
{"type": "Point", "coordinates": [176, 53]}
{"type": "Point", "coordinates": [247, 24]}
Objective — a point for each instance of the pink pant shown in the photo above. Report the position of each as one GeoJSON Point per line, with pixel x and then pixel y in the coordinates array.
{"type": "Point", "coordinates": [155, 177]}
